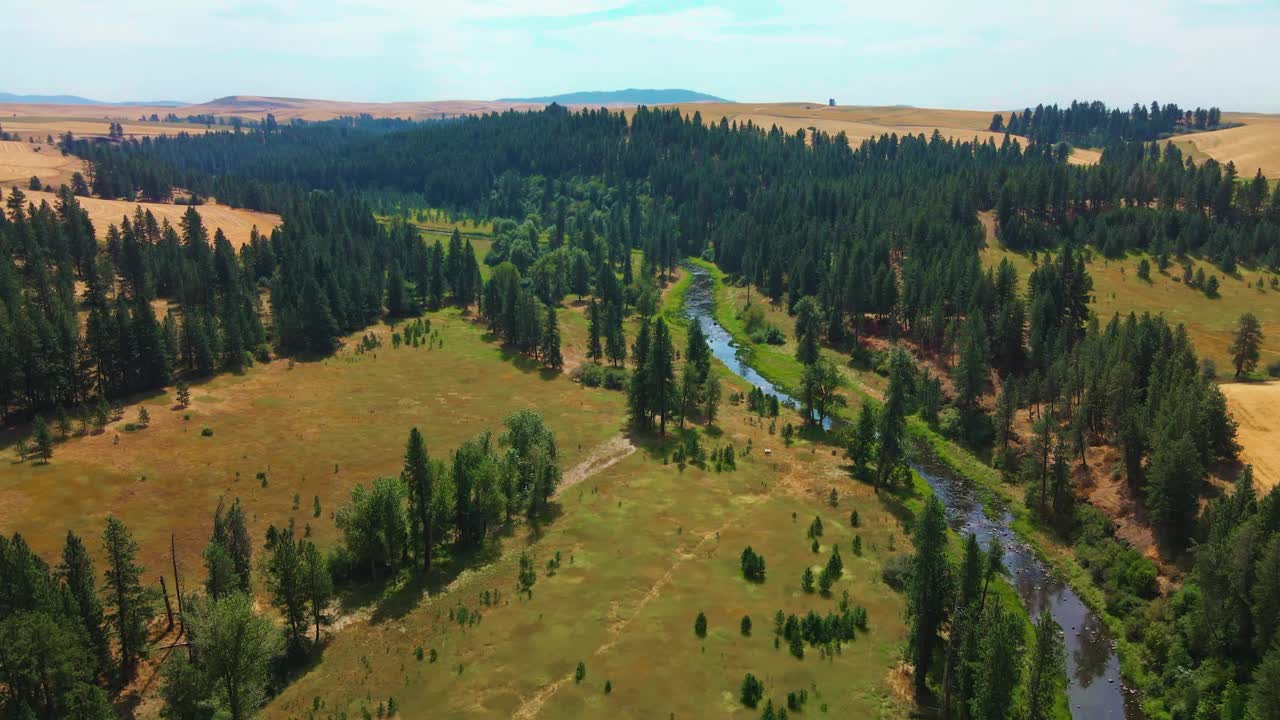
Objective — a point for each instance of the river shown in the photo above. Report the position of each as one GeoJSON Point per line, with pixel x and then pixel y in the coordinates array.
{"type": "Point", "coordinates": [1096, 689]}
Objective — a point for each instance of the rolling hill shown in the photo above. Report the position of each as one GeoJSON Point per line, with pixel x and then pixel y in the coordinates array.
{"type": "Point", "coordinates": [630, 96]}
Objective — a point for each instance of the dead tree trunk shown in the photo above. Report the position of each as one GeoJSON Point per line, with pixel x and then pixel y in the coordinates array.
{"type": "Point", "coordinates": [168, 609]}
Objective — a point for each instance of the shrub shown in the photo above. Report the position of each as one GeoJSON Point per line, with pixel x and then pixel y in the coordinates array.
{"type": "Point", "coordinates": [700, 625]}
{"type": "Point", "coordinates": [615, 379]}
{"type": "Point", "coordinates": [1208, 368]}
{"type": "Point", "coordinates": [206, 432]}
{"type": "Point", "coordinates": [1273, 368]}
{"type": "Point", "coordinates": [580, 672]}
{"type": "Point", "coordinates": [590, 374]}
{"type": "Point", "coordinates": [896, 572]}
{"type": "Point", "coordinates": [745, 627]}
{"type": "Point", "coordinates": [132, 427]}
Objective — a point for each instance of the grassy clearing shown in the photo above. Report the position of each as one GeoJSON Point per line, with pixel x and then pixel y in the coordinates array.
{"type": "Point", "coordinates": [1210, 321]}
{"type": "Point", "coordinates": [316, 430]}
{"type": "Point", "coordinates": [644, 548]}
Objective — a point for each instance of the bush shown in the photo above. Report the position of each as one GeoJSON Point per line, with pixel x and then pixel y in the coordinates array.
{"type": "Point", "coordinates": [1273, 368]}
{"type": "Point", "coordinates": [896, 572]}
{"type": "Point", "coordinates": [1208, 368]}
{"type": "Point", "coordinates": [590, 374]}
{"type": "Point", "coordinates": [206, 432]}
{"type": "Point", "coordinates": [615, 379]}
{"type": "Point", "coordinates": [700, 626]}
{"type": "Point", "coordinates": [262, 353]}
{"type": "Point", "coordinates": [132, 427]}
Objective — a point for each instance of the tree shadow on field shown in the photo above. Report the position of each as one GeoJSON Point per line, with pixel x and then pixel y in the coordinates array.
{"type": "Point", "coordinates": [395, 602]}
{"type": "Point", "coordinates": [527, 364]}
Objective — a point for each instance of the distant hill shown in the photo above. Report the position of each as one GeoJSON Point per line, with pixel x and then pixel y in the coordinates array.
{"type": "Point", "coordinates": [630, 96]}
{"type": "Point", "coordinates": [77, 100]}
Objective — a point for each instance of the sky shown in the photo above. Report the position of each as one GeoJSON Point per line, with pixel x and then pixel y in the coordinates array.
{"type": "Point", "coordinates": [994, 54]}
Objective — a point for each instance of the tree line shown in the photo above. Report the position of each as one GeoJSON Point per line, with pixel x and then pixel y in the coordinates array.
{"type": "Point", "coordinates": [1093, 124]}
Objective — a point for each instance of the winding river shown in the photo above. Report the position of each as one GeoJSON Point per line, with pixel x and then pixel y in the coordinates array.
{"type": "Point", "coordinates": [1096, 689]}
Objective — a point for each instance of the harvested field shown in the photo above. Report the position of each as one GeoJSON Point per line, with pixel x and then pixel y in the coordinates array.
{"type": "Point", "coordinates": [858, 123]}
{"type": "Point", "coordinates": [1256, 407]}
{"type": "Point", "coordinates": [20, 160]}
{"type": "Point", "coordinates": [1255, 145]}
{"type": "Point", "coordinates": [235, 223]}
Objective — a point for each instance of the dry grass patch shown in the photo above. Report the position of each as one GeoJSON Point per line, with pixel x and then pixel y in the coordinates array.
{"type": "Point", "coordinates": [1256, 407]}
{"type": "Point", "coordinates": [315, 430]}
{"type": "Point", "coordinates": [235, 223]}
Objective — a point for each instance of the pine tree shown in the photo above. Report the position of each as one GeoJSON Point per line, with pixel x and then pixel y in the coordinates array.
{"type": "Point", "coordinates": [230, 532]}
{"type": "Point", "coordinates": [1048, 669]}
{"type": "Point", "coordinates": [1246, 346]}
{"type": "Point", "coordinates": [317, 584]}
{"type": "Point", "coordinates": [930, 589]}
{"type": "Point", "coordinates": [594, 351]}
{"type": "Point", "coordinates": [43, 439]}
{"type": "Point", "coordinates": [999, 664]}
{"type": "Point", "coordinates": [660, 375]}
{"type": "Point", "coordinates": [77, 573]}
{"type": "Point", "coordinates": [284, 573]}
{"type": "Point", "coordinates": [129, 602]}
{"type": "Point", "coordinates": [615, 340]}
{"type": "Point", "coordinates": [417, 477]}
{"type": "Point", "coordinates": [549, 346]}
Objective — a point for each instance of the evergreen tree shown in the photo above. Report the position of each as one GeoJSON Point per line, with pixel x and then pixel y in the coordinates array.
{"type": "Point", "coordinates": [1247, 344]}
{"type": "Point", "coordinates": [594, 351]}
{"type": "Point", "coordinates": [43, 439]}
{"type": "Point", "coordinates": [130, 604]}
{"type": "Point", "coordinates": [999, 664]}
{"type": "Point", "coordinates": [284, 573]}
{"type": "Point", "coordinates": [549, 346]}
{"type": "Point", "coordinates": [417, 478]}
{"type": "Point", "coordinates": [930, 589]}
{"type": "Point", "coordinates": [660, 375]}
{"type": "Point", "coordinates": [230, 532]}
{"type": "Point", "coordinates": [317, 582]}
{"type": "Point", "coordinates": [77, 573]}
{"type": "Point", "coordinates": [1048, 669]}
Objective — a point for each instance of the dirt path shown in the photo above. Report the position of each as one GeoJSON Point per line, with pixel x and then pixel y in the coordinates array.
{"type": "Point", "coordinates": [602, 457]}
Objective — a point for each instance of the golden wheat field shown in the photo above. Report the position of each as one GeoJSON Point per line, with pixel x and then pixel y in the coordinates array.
{"type": "Point", "coordinates": [1253, 146]}
{"type": "Point", "coordinates": [20, 160]}
{"type": "Point", "coordinates": [858, 123]}
{"type": "Point", "coordinates": [234, 222]}
{"type": "Point", "coordinates": [1256, 407]}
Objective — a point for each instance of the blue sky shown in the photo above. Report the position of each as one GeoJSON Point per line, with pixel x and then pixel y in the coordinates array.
{"type": "Point", "coordinates": [995, 54]}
